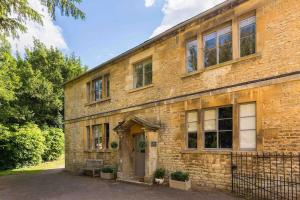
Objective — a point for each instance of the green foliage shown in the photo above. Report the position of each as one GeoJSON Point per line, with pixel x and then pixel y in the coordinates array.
{"type": "Point", "coordinates": [14, 13]}
{"type": "Point", "coordinates": [159, 173]}
{"type": "Point", "coordinates": [30, 93]}
{"type": "Point", "coordinates": [114, 145]}
{"type": "Point", "coordinates": [180, 176]}
{"type": "Point", "coordinates": [54, 143]}
{"type": "Point", "coordinates": [108, 169]}
{"type": "Point", "coordinates": [23, 146]}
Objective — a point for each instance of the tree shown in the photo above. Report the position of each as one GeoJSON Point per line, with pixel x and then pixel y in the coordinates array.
{"type": "Point", "coordinates": [32, 86]}
{"type": "Point", "coordinates": [14, 13]}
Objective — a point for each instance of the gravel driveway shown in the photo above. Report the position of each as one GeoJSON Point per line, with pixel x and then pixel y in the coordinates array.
{"type": "Point", "coordinates": [58, 185]}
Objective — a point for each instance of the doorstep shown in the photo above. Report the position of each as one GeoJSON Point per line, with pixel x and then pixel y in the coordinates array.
{"type": "Point", "coordinates": [133, 181]}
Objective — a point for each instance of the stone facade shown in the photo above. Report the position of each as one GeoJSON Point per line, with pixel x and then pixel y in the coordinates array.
{"type": "Point", "coordinates": [270, 78]}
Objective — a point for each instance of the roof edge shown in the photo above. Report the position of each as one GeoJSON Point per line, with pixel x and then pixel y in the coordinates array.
{"type": "Point", "coordinates": [160, 36]}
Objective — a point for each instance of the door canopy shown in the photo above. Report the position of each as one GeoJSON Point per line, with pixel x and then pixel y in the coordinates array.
{"type": "Point", "coordinates": [125, 125]}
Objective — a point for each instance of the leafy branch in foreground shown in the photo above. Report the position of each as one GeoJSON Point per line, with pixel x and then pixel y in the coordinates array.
{"type": "Point", "coordinates": [14, 13]}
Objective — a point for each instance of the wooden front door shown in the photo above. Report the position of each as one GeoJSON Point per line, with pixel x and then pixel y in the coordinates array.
{"type": "Point", "coordinates": [140, 147]}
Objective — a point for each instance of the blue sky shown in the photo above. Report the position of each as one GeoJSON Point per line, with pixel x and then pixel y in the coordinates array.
{"type": "Point", "coordinates": [111, 26]}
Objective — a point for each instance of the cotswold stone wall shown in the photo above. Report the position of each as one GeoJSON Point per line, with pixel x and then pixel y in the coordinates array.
{"type": "Point", "coordinates": [278, 129]}
{"type": "Point", "coordinates": [270, 78]}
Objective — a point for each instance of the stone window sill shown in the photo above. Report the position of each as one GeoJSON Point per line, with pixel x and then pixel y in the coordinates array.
{"type": "Point", "coordinates": [207, 151]}
{"type": "Point", "coordinates": [140, 88]}
{"type": "Point", "coordinates": [99, 151]}
{"type": "Point", "coordinates": [231, 62]}
{"type": "Point", "coordinates": [99, 101]}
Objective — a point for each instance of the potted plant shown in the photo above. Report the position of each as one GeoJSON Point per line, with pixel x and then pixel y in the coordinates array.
{"type": "Point", "coordinates": [159, 175]}
{"type": "Point", "coordinates": [114, 145]}
{"type": "Point", "coordinates": [180, 180]}
{"type": "Point", "coordinates": [108, 173]}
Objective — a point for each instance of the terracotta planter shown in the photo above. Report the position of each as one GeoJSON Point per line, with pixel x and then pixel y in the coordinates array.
{"type": "Point", "coordinates": [107, 176]}
{"type": "Point", "coordinates": [180, 184]}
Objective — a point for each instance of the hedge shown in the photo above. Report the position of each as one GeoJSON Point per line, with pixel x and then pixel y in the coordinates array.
{"type": "Point", "coordinates": [29, 145]}
{"type": "Point", "coordinates": [54, 143]}
{"type": "Point", "coordinates": [22, 147]}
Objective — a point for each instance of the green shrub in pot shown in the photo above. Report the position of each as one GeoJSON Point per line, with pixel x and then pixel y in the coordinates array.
{"type": "Point", "coordinates": [180, 176]}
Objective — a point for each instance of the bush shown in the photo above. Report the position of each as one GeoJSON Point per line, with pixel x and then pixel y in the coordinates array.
{"type": "Point", "coordinates": [114, 145]}
{"type": "Point", "coordinates": [22, 147]}
{"type": "Point", "coordinates": [159, 173]}
{"type": "Point", "coordinates": [180, 176]}
{"type": "Point", "coordinates": [54, 143]}
{"type": "Point", "coordinates": [107, 170]}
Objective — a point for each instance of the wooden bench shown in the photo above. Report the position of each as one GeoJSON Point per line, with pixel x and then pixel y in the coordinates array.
{"type": "Point", "coordinates": [93, 167]}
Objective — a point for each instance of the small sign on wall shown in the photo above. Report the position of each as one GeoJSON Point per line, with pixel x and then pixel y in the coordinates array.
{"type": "Point", "coordinates": [153, 144]}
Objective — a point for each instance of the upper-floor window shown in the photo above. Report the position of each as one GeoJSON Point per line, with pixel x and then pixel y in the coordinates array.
{"type": "Point", "coordinates": [192, 129]}
{"type": "Point", "coordinates": [99, 88]}
{"type": "Point", "coordinates": [247, 36]}
{"type": "Point", "coordinates": [247, 126]}
{"type": "Point", "coordinates": [218, 127]}
{"type": "Point", "coordinates": [97, 85]}
{"type": "Point", "coordinates": [143, 73]}
{"type": "Point", "coordinates": [191, 55]}
{"type": "Point", "coordinates": [218, 47]}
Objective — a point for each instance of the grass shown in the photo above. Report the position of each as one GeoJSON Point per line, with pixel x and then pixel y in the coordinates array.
{"type": "Point", "coordinates": [35, 169]}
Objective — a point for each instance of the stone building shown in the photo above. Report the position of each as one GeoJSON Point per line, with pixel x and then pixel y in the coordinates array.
{"type": "Point", "coordinates": [226, 80]}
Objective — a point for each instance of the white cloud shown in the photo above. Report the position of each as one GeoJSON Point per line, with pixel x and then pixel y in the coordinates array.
{"type": "Point", "coordinates": [48, 33]}
{"type": "Point", "coordinates": [149, 3]}
{"type": "Point", "coordinates": [176, 11]}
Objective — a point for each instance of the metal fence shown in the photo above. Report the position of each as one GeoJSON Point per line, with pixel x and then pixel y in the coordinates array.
{"type": "Point", "coordinates": [266, 175]}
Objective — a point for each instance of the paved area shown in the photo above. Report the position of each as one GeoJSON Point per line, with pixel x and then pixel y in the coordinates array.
{"type": "Point", "coordinates": [59, 185]}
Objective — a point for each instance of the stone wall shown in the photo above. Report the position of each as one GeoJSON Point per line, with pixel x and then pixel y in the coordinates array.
{"type": "Point", "coordinates": [270, 78]}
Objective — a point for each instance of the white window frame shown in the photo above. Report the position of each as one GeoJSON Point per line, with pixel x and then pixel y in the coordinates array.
{"type": "Point", "coordinates": [245, 22]}
{"type": "Point", "coordinates": [217, 34]}
{"type": "Point", "coordinates": [255, 116]}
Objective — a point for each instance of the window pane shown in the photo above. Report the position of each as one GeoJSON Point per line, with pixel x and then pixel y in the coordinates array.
{"type": "Point", "coordinates": [138, 76]}
{"type": "Point", "coordinates": [107, 135]}
{"type": "Point", "coordinates": [210, 50]}
{"type": "Point", "coordinates": [97, 135]}
{"type": "Point", "coordinates": [107, 85]}
{"type": "Point", "coordinates": [148, 73]}
{"type": "Point", "coordinates": [247, 40]}
{"type": "Point", "coordinates": [210, 114]}
{"type": "Point", "coordinates": [210, 140]}
{"type": "Point", "coordinates": [225, 112]}
{"type": "Point", "coordinates": [225, 47]}
{"type": "Point", "coordinates": [88, 138]}
{"type": "Point", "coordinates": [192, 117]}
{"type": "Point", "coordinates": [210, 125]}
{"type": "Point", "coordinates": [247, 123]}
{"type": "Point", "coordinates": [247, 110]}
{"type": "Point", "coordinates": [210, 57]}
{"type": "Point", "coordinates": [248, 139]}
{"type": "Point", "coordinates": [225, 139]}
{"type": "Point", "coordinates": [192, 126]}
{"type": "Point", "coordinates": [192, 140]}
{"type": "Point", "coordinates": [192, 55]}
{"type": "Point", "coordinates": [225, 124]}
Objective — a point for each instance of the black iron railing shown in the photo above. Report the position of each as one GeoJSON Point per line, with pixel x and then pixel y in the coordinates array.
{"type": "Point", "coordinates": [266, 175]}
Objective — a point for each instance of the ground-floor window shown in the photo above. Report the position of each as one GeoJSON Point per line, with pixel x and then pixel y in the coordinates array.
{"type": "Point", "coordinates": [97, 137]}
{"type": "Point", "coordinates": [192, 129]}
{"type": "Point", "coordinates": [247, 126]}
{"type": "Point", "coordinates": [218, 128]}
